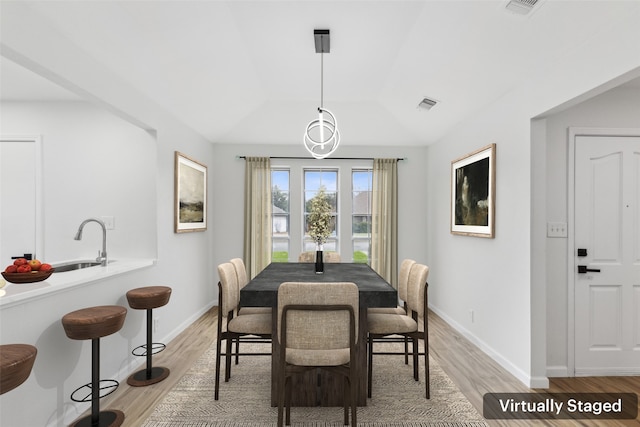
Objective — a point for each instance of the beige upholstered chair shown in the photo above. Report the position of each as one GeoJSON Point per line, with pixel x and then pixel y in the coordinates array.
{"type": "Point", "coordinates": [241, 275]}
{"type": "Point", "coordinates": [258, 325]}
{"type": "Point", "coordinates": [317, 329]}
{"type": "Point", "coordinates": [310, 256]}
{"type": "Point", "coordinates": [403, 279]}
{"type": "Point", "coordinates": [243, 279]}
{"type": "Point", "coordinates": [412, 325]}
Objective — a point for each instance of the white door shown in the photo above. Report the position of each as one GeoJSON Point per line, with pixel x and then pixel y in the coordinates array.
{"type": "Point", "coordinates": [20, 216]}
{"type": "Point", "coordinates": [607, 243]}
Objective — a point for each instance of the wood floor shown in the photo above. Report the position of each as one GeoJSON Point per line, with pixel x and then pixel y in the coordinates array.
{"type": "Point", "coordinates": [470, 369]}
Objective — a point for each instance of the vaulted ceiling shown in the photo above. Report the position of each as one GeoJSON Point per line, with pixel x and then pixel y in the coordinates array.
{"type": "Point", "coordinates": [247, 72]}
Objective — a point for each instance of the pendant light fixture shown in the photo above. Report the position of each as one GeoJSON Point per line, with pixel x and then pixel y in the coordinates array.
{"type": "Point", "coordinates": [321, 138]}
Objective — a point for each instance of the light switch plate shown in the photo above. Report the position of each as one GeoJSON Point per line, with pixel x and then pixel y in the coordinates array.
{"type": "Point", "coordinates": [556, 229]}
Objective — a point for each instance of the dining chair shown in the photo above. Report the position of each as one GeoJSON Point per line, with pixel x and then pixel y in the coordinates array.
{"type": "Point", "coordinates": [317, 329]}
{"type": "Point", "coordinates": [241, 274]}
{"type": "Point", "coordinates": [310, 256]}
{"type": "Point", "coordinates": [403, 279]}
{"type": "Point", "coordinates": [235, 326]}
{"type": "Point", "coordinates": [413, 324]}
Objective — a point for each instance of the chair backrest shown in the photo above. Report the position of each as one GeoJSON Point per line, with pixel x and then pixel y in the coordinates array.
{"type": "Point", "coordinates": [403, 278]}
{"type": "Point", "coordinates": [241, 272]}
{"type": "Point", "coordinates": [229, 291]}
{"type": "Point", "coordinates": [310, 256]}
{"type": "Point", "coordinates": [417, 286]}
{"type": "Point", "coordinates": [317, 330]}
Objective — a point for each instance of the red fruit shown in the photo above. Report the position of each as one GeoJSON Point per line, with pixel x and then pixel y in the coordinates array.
{"type": "Point", "coordinates": [24, 268]}
{"type": "Point", "coordinates": [45, 267]}
{"type": "Point", "coordinates": [20, 261]}
{"type": "Point", "coordinates": [11, 269]}
{"type": "Point", "coordinates": [35, 264]}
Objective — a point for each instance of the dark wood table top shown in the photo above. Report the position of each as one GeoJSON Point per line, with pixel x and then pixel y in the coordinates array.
{"type": "Point", "coordinates": [262, 290]}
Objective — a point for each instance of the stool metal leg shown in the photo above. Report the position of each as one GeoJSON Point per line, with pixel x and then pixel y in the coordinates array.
{"type": "Point", "coordinates": [112, 418]}
{"type": "Point", "coordinates": [150, 375]}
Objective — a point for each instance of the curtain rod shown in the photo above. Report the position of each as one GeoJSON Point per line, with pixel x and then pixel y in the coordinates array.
{"type": "Point", "coordinates": [328, 158]}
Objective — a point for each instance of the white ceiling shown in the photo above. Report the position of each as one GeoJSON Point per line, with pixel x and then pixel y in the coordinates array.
{"type": "Point", "coordinates": [247, 72]}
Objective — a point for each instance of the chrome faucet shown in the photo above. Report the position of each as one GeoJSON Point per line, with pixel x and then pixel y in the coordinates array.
{"type": "Point", "coordinates": [102, 256]}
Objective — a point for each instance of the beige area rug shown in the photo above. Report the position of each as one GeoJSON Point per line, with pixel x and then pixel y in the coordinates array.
{"type": "Point", "coordinates": [397, 400]}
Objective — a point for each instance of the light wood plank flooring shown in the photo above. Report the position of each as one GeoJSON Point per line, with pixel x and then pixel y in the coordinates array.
{"type": "Point", "coordinates": [472, 371]}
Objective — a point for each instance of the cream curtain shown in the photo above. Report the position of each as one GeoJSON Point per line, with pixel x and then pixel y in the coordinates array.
{"type": "Point", "coordinates": [384, 218]}
{"type": "Point", "coordinates": [257, 214]}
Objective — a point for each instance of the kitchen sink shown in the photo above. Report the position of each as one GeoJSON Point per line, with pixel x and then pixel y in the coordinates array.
{"type": "Point", "coordinates": [74, 265]}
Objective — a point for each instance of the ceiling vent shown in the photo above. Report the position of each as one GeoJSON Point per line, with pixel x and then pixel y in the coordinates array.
{"type": "Point", "coordinates": [522, 7]}
{"type": "Point", "coordinates": [427, 104]}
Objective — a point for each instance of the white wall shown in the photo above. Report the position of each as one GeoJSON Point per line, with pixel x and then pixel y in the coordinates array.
{"type": "Point", "coordinates": [617, 108]}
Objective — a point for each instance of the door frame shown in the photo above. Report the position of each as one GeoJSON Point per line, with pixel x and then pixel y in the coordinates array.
{"type": "Point", "coordinates": [573, 133]}
{"type": "Point", "coordinates": [39, 182]}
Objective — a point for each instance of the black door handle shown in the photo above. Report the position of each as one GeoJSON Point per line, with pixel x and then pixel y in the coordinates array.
{"type": "Point", "coordinates": [583, 269]}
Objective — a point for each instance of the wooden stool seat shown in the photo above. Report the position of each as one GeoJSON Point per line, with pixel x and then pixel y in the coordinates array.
{"type": "Point", "coordinates": [16, 361]}
{"type": "Point", "coordinates": [94, 322]}
{"type": "Point", "coordinates": [148, 297]}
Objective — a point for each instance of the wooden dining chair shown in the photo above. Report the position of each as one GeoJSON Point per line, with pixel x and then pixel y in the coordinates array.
{"type": "Point", "coordinates": [403, 280]}
{"type": "Point", "coordinates": [241, 275]}
{"type": "Point", "coordinates": [232, 326]}
{"type": "Point", "coordinates": [317, 329]}
{"type": "Point", "coordinates": [413, 324]}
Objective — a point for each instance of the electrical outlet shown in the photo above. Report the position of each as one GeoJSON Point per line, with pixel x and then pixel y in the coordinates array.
{"type": "Point", "coordinates": [156, 323]}
{"type": "Point", "coordinates": [109, 222]}
{"type": "Point", "coordinates": [471, 316]}
{"type": "Point", "coordinates": [556, 229]}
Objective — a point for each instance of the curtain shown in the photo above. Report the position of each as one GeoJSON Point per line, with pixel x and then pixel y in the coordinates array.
{"type": "Point", "coordinates": [384, 219]}
{"type": "Point", "coordinates": [257, 214]}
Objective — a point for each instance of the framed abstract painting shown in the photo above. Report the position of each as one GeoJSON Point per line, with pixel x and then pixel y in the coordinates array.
{"type": "Point", "coordinates": [473, 188]}
{"type": "Point", "coordinates": [190, 195]}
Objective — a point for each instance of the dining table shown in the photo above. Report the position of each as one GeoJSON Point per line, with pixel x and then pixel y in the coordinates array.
{"type": "Point", "coordinates": [320, 388]}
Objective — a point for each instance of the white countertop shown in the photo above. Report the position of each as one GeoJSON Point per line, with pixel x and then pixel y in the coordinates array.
{"type": "Point", "coordinates": [59, 282]}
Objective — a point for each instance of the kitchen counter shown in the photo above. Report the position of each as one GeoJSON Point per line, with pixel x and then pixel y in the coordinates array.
{"type": "Point", "coordinates": [61, 282]}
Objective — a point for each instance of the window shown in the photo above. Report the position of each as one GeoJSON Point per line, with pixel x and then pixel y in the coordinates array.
{"type": "Point", "coordinates": [361, 185]}
{"type": "Point", "coordinates": [314, 181]}
{"type": "Point", "coordinates": [280, 215]}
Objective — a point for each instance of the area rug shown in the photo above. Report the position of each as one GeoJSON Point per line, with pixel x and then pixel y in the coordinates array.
{"type": "Point", "coordinates": [397, 400]}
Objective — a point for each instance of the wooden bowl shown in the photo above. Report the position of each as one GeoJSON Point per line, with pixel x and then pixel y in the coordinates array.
{"type": "Point", "coordinates": [33, 276]}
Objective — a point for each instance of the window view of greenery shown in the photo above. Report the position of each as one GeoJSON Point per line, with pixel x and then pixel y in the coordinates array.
{"type": "Point", "coordinates": [280, 215]}
{"type": "Point", "coordinates": [362, 183]}
{"type": "Point", "coordinates": [314, 181]}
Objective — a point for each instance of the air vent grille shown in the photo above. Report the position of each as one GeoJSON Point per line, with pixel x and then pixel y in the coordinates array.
{"type": "Point", "coordinates": [521, 7]}
{"type": "Point", "coordinates": [427, 104]}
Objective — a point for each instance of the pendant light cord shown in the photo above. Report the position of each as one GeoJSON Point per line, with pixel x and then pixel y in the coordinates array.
{"type": "Point", "coordinates": [321, 73]}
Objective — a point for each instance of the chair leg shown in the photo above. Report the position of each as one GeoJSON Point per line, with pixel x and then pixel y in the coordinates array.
{"type": "Point", "coordinates": [369, 364]}
{"type": "Point", "coordinates": [218, 348]}
{"type": "Point", "coordinates": [353, 381]}
{"type": "Point", "coordinates": [416, 350]}
{"type": "Point", "coordinates": [346, 399]}
{"type": "Point", "coordinates": [288, 389]}
{"type": "Point", "coordinates": [237, 350]}
{"type": "Point", "coordinates": [406, 350]}
{"type": "Point", "coordinates": [227, 365]}
{"type": "Point", "coordinates": [281, 385]}
{"type": "Point", "coordinates": [427, 379]}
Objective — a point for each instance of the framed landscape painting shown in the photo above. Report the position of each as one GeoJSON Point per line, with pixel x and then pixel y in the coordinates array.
{"type": "Point", "coordinates": [473, 187]}
{"type": "Point", "coordinates": [190, 189]}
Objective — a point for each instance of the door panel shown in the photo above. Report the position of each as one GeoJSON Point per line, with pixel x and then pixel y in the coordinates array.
{"type": "Point", "coordinates": [607, 224]}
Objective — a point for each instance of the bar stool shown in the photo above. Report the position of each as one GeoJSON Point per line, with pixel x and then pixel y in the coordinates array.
{"type": "Point", "coordinates": [93, 323]}
{"type": "Point", "coordinates": [148, 298]}
{"type": "Point", "coordinates": [16, 361]}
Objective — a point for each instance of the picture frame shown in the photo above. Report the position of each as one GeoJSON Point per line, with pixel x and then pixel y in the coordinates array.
{"type": "Point", "coordinates": [473, 189]}
{"type": "Point", "coordinates": [190, 195]}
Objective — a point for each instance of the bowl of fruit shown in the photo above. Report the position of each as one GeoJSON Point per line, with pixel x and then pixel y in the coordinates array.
{"type": "Point", "coordinates": [27, 271]}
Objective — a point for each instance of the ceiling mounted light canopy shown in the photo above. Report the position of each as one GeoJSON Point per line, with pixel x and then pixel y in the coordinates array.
{"type": "Point", "coordinates": [321, 138]}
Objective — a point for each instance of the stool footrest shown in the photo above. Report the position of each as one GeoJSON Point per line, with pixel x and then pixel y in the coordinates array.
{"type": "Point", "coordinates": [109, 385]}
{"type": "Point", "coordinates": [141, 350]}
